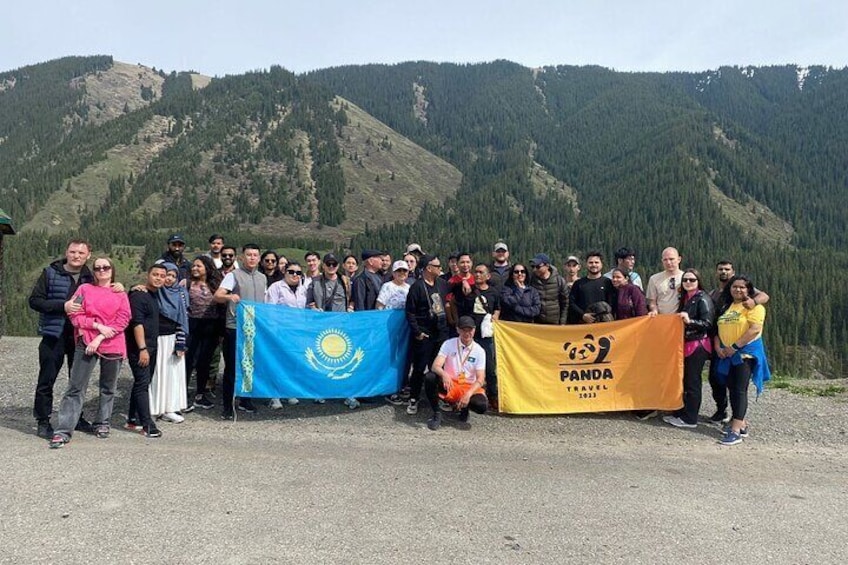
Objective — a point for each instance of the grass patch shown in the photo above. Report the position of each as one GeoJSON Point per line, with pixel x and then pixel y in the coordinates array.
{"type": "Point", "coordinates": [810, 388]}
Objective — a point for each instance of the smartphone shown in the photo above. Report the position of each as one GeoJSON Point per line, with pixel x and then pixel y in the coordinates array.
{"type": "Point", "coordinates": [78, 299]}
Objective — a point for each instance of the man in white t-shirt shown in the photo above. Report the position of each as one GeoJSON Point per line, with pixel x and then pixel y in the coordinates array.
{"type": "Point", "coordinates": [662, 294]}
{"type": "Point", "coordinates": [458, 375]}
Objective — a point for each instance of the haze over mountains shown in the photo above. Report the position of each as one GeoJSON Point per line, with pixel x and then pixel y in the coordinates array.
{"type": "Point", "coordinates": [747, 163]}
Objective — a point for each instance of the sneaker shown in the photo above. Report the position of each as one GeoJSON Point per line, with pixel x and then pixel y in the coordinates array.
{"type": "Point", "coordinates": [719, 418]}
{"type": "Point", "coordinates": [678, 422]}
{"type": "Point", "coordinates": [293, 401]}
{"type": "Point", "coordinates": [405, 393]}
{"type": "Point", "coordinates": [743, 433]}
{"type": "Point", "coordinates": [173, 417]}
{"type": "Point", "coordinates": [319, 401]}
{"type": "Point", "coordinates": [395, 399]}
{"type": "Point", "coordinates": [412, 409]}
{"type": "Point", "coordinates": [84, 426]}
{"type": "Point", "coordinates": [446, 406]}
{"type": "Point", "coordinates": [463, 415]}
{"type": "Point", "coordinates": [351, 403]}
{"type": "Point", "coordinates": [45, 429]}
{"type": "Point", "coordinates": [57, 442]}
{"type": "Point", "coordinates": [200, 401]}
{"type": "Point", "coordinates": [228, 416]}
{"type": "Point", "coordinates": [731, 438]}
{"type": "Point", "coordinates": [275, 404]}
{"type": "Point", "coordinates": [646, 415]}
{"type": "Point", "coordinates": [152, 432]}
{"type": "Point", "coordinates": [435, 421]}
{"type": "Point", "coordinates": [101, 431]}
{"type": "Point", "coordinates": [246, 405]}
{"type": "Point", "coordinates": [187, 409]}
{"type": "Point", "coordinates": [133, 426]}
{"type": "Point", "coordinates": [210, 393]}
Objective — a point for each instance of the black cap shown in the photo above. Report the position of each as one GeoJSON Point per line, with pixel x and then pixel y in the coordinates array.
{"type": "Point", "coordinates": [368, 253]}
{"type": "Point", "coordinates": [330, 258]}
{"type": "Point", "coordinates": [466, 322]}
{"type": "Point", "coordinates": [176, 238]}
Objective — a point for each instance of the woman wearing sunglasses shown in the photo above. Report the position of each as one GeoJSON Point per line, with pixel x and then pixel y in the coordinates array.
{"type": "Point", "coordinates": [269, 265]}
{"type": "Point", "coordinates": [99, 334]}
{"type": "Point", "coordinates": [520, 302]}
{"type": "Point", "coordinates": [698, 314]}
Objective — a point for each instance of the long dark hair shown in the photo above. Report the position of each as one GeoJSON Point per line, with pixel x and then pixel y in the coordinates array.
{"type": "Point", "coordinates": [727, 297]}
{"type": "Point", "coordinates": [681, 294]}
{"type": "Point", "coordinates": [511, 282]}
{"type": "Point", "coordinates": [213, 275]}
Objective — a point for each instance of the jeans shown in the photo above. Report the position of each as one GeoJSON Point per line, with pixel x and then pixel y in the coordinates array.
{"type": "Point", "coordinates": [51, 355]}
{"type": "Point", "coordinates": [433, 386]}
{"type": "Point", "coordinates": [737, 382]}
{"type": "Point", "coordinates": [423, 352]}
{"type": "Point", "coordinates": [692, 367]}
{"type": "Point", "coordinates": [203, 337]}
{"type": "Point", "coordinates": [71, 406]}
{"type": "Point", "coordinates": [140, 395]}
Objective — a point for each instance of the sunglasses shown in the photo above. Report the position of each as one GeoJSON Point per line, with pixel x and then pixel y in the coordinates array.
{"type": "Point", "coordinates": [519, 272]}
{"type": "Point", "coordinates": [331, 265]}
{"type": "Point", "coordinates": [227, 255]}
{"type": "Point", "coordinates": [672, 284]}
{"type": "Point", "coordinates": [292, 272]}
{"type": "Point", "coordinates": [437, 266]}
{"type": "Point", "coordinates": [689, 279]}
{"type": "Point", "coordinates": [102, 269]}
{"type": "Point", "coordinates": [270, 260]}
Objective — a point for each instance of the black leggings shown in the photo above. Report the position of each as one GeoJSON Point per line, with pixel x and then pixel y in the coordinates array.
{"type": "Point", "coordinates": [692, 367]}
{"type": "Point", "coordinates": [737, 383]}
{"type": "Point", "coordinates": [433, 386]}
{"type": "Point", "coordinates": [423, 352]}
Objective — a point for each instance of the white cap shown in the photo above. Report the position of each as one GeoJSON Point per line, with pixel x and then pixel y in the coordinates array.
{"type": "Point", "coordinates": [400, 264]}
{"type": "Point", "coordinates": [414, 247]}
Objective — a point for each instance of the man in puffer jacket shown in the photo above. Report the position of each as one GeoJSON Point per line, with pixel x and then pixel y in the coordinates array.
{"type": "Point", "coordinates": [553, 291]}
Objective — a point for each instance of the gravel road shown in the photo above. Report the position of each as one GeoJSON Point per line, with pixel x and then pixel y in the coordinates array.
{"type": "Point", "coordinates": [323, 484]}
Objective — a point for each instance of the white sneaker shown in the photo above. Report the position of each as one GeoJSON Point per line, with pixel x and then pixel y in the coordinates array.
{"type": "Point", "coordinates": [351, 403]}
{"type": "Point", "coordinates": [319, 401]}
{"type": "Point", "coordinates": [412, 409]}
{"type": "Point", "coordinates": [678, 422]}
{"type": "Point", "coordinates": [173, 417]}
{"type": "Point", "coordinates": [293, 401]}
{"type": "Point", "coordinates": [275, 404]}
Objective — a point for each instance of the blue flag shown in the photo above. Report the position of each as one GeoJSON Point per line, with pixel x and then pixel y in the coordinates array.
{"type": "Point", "coordinates": [284, 352]}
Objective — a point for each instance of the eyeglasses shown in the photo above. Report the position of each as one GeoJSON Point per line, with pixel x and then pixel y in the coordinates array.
{"type": "Point", "coordinates": [519, 272]}
{"type": "Point", "coordinates": [293, 272]}
{"type": "Point", "coordinates": [689, 279]}
{"type": "Point", "coordinates": [102, 269]}
{"type": "Point", "coordinates": [437, 265]}
{"type": "Point", "coordinates": [227, 255]}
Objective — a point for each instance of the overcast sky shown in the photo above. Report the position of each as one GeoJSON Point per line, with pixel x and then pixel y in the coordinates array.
{"type": "Point", "coordinates": [215, 37]}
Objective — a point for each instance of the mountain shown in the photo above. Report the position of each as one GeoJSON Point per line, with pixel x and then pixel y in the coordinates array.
{"type": "Point", "coordinates": [746, 163]}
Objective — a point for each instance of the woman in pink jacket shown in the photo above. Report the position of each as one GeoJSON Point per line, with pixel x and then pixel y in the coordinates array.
{"type": "Point", "coordinates": [99, 334]}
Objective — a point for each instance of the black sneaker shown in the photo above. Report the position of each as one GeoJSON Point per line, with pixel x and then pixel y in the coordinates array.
{"type": "Point", "coordinates": [201, 401]}
{"type": "Point", "coordinates": [84, 426]}
{"type": "Point", "coordinates": [45, 429]}
{"type": "Point", "coordinates": [228, 416]}
{"type": "Point", "coordinates": [152, 432]}
{"type": "Point", "coordinates": [246, 405]}
{"type": "Point", "coordinates": [435, 421]}
{"type": "Point", "coordinates": [719, 418]}
{"type": "Point", "coordinates": [396, 400]}
{"type": "Point", "coordinates": [463, 414]}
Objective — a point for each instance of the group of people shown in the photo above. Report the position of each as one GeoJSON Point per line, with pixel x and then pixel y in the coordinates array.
{"type": "Point", "coordinates": [178, 322]}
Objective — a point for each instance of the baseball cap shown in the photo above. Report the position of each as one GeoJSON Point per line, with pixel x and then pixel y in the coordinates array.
{"type": "Point", "coordinates": [572, 259]}
{"type": "Point", "coordinates": [541, 259]}
{"type": "Point", "coordinates": [330, 258]}
{"type": "Point", "coordinates": [466, 322]}
{"type": "Point", "coordinates": [368, 253]}
{"type": "Point", "coordinates": [501, 246]}
{"type": "Point", "coordinates": [400, 264]}
{"type": "Point", "coordinates": [414, 247]}
{"type": "Point", "coordinates": [176, 238]}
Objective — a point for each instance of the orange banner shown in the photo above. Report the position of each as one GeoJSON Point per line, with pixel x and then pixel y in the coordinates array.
{"type": "Point", "coordinates": [634, 364]}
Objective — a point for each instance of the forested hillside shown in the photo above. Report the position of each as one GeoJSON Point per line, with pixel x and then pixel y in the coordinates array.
{"type": "Point", "coordinates": [744, 163]}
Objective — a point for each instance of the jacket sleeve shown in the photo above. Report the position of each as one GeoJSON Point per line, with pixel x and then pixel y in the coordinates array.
{"type": "Point", "coordinates": [575, 311]}
{"type": "Point", "coordinates": [411, 317]}
{"type": "Point", "coordinates": [530, 305]}
{"type": "Point", "coordinates": [38, 300]}
{"type": "Point", "coordinates": [563, 293]}
{"type": "Point", "coordinates": [639, 305]}
{"type": "Point", "coordinates": [704, 319]}
{"type": "Point", "coordinates": [358, 290]}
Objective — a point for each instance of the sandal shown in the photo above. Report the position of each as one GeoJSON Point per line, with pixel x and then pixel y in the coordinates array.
{"type": "Point", "coordinates": [58, 441]}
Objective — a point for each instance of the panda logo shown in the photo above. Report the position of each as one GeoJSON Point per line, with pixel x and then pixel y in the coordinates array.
{"type": "Point", "coordinates": [589, 351]}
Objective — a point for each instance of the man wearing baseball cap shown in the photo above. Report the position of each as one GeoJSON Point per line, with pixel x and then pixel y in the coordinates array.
{"type": "Point", "coordinates": [500, 265]}
{"type": "Point", "coordinates": [458, 375]}
{"type": "Point", "coordinates": [571, 270]}
{"type": "Point", "coordinates": [174, 254]}
{"type": "Point", "coordinates": [366, 285]}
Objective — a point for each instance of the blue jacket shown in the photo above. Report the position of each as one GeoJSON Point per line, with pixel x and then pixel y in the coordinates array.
{"type": "Point", "coordinates": [761, 372]}
{"type": "Point", "coordinates": [53, 288]}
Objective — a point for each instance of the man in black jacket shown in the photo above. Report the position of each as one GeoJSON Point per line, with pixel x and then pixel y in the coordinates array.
{"type": "Point", "coordinates": [592, 288]}
{"type": "Point", "coordinates": [50, 298]}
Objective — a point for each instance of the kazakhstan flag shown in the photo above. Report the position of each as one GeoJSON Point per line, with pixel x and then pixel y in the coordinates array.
{"type": "Point", "coordinates": [284, 352]}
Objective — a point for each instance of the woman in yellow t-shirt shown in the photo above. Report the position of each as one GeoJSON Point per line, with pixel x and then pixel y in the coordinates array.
{"type": "Point", "coordinates": [740, 351]}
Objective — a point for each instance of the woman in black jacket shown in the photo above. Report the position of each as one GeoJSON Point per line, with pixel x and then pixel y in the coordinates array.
{"type": "Point", "coordinates": [698, 314]}
{"type": "Point", "coordinates": [520, 302]}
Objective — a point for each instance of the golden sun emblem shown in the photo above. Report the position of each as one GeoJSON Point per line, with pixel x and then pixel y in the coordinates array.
{"type": "Point", "coordinates": [335, 354]}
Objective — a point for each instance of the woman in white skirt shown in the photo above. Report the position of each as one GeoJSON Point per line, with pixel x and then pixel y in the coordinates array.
{"type": "Point", "coordinates": [167, 388]}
